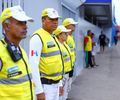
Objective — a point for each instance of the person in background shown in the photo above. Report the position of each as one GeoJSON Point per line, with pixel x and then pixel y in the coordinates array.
{"type": "Point", "coordinates": [61, 33]}
{"type": "Point", "coordinates": [93, 49]}
{"type": "Point", "coordinates": [45, 57]}
{"type": "Point", "coordinates": [15, 73]}
{"type": "Point", "coordinates": [88, 49]}
{"type": "Point", "coordinates": [102, 41]}
{"type": "Point", "coordinates": [116, 38]}
{"type": "Point", "coordinates": [69, 23]}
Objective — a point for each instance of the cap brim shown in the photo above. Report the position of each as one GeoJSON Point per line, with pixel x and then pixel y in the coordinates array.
{"type": "Point", "coordinates": [22, 17]}
{"type": "Point", "coordinates": [68, 30]}
{"type": "Point", "coordinates": [75, 23]}
{"type": "Point", "coordinates": [53, 17]}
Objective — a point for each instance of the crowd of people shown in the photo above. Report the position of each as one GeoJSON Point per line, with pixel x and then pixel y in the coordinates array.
{"type": "Point", "coordinates": [93, 46]}
{"type": "Point", "coordinates": [48, 73]}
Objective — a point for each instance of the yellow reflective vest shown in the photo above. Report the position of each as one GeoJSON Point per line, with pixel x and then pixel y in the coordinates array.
{"type": "Point", "coordinates": [88, 46]}
{"type": "Point", "coordinates": [71, 43]}
{"type": "Point", "coordinates": [67, 58]}
{"type": "Point", "coordinates": [66, 55]}
{"type": "Point", "coordinates": [15, 77]}
{"type": "Point", "coordinates": [50, 66]}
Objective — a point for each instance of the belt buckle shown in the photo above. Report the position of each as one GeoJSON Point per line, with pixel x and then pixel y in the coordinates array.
{"type": "Point", "coordinates": [49, 82]}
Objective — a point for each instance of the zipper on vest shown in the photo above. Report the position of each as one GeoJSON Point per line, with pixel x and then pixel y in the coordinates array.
{"type": "Point", "coordinates": [60, 54]}
{"type": "Point", "coordinates": [69, 55]}
{"type": "Point", "coordinates": [29, 78]}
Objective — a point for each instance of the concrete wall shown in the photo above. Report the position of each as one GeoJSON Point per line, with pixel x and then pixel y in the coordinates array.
{"type": "Point", "coordinates": [85, 25]}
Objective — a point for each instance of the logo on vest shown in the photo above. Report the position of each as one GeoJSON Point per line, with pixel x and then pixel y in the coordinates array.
{"type": "Point", "coordinates": [14, 74]}
{"type": "Point", "coordinates": [64, 54]}
{"type": "Point", "coordinates": [70, 45]}
{"type": "Point", "coordinates": [13, 69]}
{"type": "Point", "coordinates": [34, 53]}
{"type": "Point", "coordinates": [50, 44]}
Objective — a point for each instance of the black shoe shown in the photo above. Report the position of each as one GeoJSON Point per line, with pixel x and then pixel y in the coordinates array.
{"type": "Point", "coordinates": [92, 66]}
{"type": "Point", "coordinates": [87, 67]}
{"type": "Point", "coordinates": [96, 65]}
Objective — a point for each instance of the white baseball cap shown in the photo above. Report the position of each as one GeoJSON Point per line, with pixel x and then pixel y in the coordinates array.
{"type": "Point", "coordinates": [69, 21]}
{"type": "Point", "coordinates": [50, 12]}
{"type": "Point", "coordinates": [15, 12]}
{"type": "Point", "coordinates": [61, 29]}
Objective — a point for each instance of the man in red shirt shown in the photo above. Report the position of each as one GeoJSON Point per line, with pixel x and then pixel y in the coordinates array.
{"type": "Point", "coordinates": [88, 49]}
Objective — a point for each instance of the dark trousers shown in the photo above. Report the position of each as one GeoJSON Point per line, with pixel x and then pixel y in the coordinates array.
{"type": "Point", "coordinates": [88, 59]}
{"type": "Point", "coordinates": [102, 46]}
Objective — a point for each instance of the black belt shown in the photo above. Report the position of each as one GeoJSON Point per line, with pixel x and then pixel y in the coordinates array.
{"type": "Point", "coordinates": [71, 73]}
{"type": "Point", "coordinates": [48, 81]}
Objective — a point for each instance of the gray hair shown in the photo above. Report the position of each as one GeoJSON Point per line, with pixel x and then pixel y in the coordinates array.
{"type": "Point", "coordinates": [7, 21]}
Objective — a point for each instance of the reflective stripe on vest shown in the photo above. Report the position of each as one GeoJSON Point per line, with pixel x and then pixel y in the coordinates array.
{"type": "Point", "coordinates": [50, 54]}
{"type": "Point", "coordinates": [56, 74]}
{"type": "Point", "coordinates": [15, 81]}
{"type": "Point", "coordinates": [66, 59]}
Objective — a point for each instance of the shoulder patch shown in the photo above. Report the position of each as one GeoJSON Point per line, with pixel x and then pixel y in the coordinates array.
{"type": "Point", "coordinates": [50, 44]}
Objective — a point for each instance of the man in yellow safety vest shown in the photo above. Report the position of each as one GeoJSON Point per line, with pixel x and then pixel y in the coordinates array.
{"type": "Point", "coordinates": [15, 72]}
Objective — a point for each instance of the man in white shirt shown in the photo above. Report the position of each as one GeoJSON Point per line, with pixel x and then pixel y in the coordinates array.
{"type": "Point", "coordinates": [45, 58]}
{"type": "Point", "coordinates": [69, 23]}
{"type": "Point", "coordinates": [61, 33]}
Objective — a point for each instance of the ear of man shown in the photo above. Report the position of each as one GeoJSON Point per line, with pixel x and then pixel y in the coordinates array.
{"type": "Point", "coordinates": [6, 26]}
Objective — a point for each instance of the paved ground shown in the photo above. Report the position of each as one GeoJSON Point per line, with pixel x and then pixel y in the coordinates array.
{"type": "Point", "coordinates": [100, 83]}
